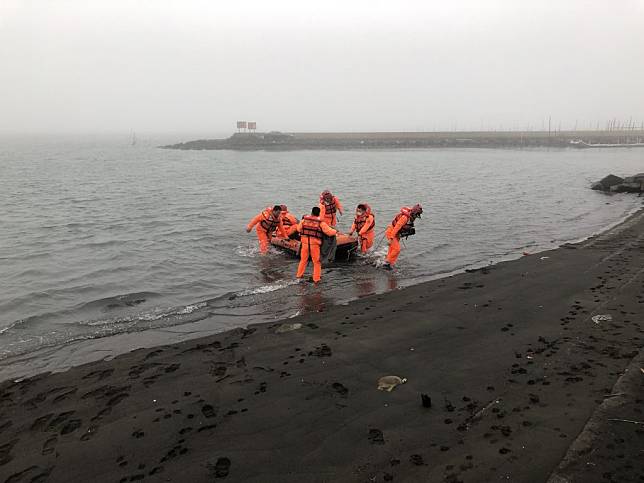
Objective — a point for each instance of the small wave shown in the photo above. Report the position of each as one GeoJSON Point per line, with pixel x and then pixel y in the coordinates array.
{"type": "Point", "coordinates": [124, 300]}
{"type": "Point", "coordinates": [578, 217]}
{"type": "Point", "coordinates": [95, 329]}
{"type": "Point", "coordinates": [267, 288]}
{"type": "Point", "coordinates": [11, 326]}
{"type": "Point", "coordinates": [146, 316]}
{"type": "Point", "coordinates": [100, 244]}
{"type": "Point", "coordinates": [379, 263]}
{"type": "Point", "coordinates": [252, 251]}
{"type": "Point", "coordinates": [188, 309]}
{"type": "Point", "coordinates": [247, 251]}
{"type": "Point", "coordinates": [530, 244]}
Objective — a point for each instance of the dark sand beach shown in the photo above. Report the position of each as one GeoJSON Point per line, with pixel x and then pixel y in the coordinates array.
{"type": "Point", "coordinates": [524, 387]}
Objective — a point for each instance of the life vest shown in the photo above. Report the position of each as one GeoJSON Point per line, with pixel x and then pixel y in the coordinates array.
{"type": "Point", "coordinates": [408, 228]}
{"type": "Point", "coordinates": [269, 223]}
{"type": "Point", "coordinates": [311, 227]}
{"type": "Point", "coordinates": [329, 208]}
{"type": "Point", "coordinates": [286, 221]}
{"type": "Point", "coordinates": [359, 221]}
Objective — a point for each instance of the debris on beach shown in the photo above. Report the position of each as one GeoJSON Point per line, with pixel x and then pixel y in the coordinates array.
{"type": "Point", "coordinates": [601, 318]}
{"type": "Point", "coordinates": [388, 383]}
{"type": "Point", "coordinates": [288, 328]}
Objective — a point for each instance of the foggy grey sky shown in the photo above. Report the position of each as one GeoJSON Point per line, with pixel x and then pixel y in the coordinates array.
{"type": "Point", "coordinates": [198, 66]}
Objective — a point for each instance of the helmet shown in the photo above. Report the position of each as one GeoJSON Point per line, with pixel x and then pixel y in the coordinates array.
{"type": "Point", "coordinates": [326, 195]}
{"type": "Point", "coordinates": [417, 210]}
{"type": "Point", "coordinates": [284, 208]}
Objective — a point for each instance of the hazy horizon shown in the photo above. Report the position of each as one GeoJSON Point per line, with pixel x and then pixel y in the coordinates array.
{"type": "Point", "coordinates": [197, 67]}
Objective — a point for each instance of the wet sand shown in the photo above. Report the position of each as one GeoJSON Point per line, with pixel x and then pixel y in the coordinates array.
{"type": "Point", "coordinates": [524, 387]}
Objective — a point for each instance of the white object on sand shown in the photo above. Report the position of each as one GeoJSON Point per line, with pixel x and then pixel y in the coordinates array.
{"type": "Point", "coordinates": [601, 318]}
{"type": "Point", "coordinates": [288, 328]}
{"type": "Point", "coordinates": [387, 383]}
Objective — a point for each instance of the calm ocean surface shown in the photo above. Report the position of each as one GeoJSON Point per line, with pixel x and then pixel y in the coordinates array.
{"type": "Point", "coordinates": [99, 237]}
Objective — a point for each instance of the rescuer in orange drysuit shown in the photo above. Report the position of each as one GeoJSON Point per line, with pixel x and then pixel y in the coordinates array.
{"type": "Point", "coordinates": [329, 204]}
{"type": "Point", "coordinates": [267, 222]}
{"type": "Point", "coordinates": [401, 226]}
{"type": "Point", "coordinates": [312, 230]}
{"type": "Point", "coordinates": [365, 225]}
{"type": "Point", "coordinates": [288, 219]}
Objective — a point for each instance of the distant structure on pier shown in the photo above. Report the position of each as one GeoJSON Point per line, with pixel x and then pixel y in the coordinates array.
{"type": "Point", "coordinates": [243, 126]}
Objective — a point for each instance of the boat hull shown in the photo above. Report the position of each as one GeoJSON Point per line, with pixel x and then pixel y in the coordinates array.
{"type": "Point", "coordinates": [343, 250]}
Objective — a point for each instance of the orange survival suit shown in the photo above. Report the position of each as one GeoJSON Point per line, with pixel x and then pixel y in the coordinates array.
{"type": "Point", "coordinates": [329, 205]}
{"type": "Point", "coordinates": [288, 219]}
{"type": "Point", "coordinates": [266, 223]}
{"type": "Point", "coordinates": [402, 225]}
{"type": "Point", "coordinates": [312, 230]}
{"type": "Point", "coordinates": [365, 226]}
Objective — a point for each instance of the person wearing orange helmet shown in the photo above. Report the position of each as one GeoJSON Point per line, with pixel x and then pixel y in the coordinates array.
{"type": "Point", "coordinates": [401, 226]}
{"type": "Point", "coordinates": [288, 219]}
{"type": "Point", "coordinates": [365, 225]}
{"type": "Point", "coordinates": [329, 205]}
{"type": "Point", "coordinates": [266, 223]}
{"type": "Point", "coordinates": [312, 230]}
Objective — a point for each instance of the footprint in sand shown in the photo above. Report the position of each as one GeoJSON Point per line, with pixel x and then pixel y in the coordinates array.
{"type": "Point", "coordinates": [322, 351]}
{"type": "Point", "coordinates": [65, 395]}
{"type": "Point", "coordinates": [376, 437]}
{"type": "Point", "coordinates": [117, 399]}
{"type": "Point", "coordinates": [208, 411]}
{"type": "Point", "coordinates": [102, 413]}
{"type": "Point", "coordinates": [71, 426]}
{"type": "Point", "coordinates": [152, 354]}
{"type": "Point", "coordinates": [5, 425]}
{"type": "Point", "coordinates": [99, 375]}
{"type": "Point", "coordinates": [89, 434]}
{"type": "Point", "coordinates": [416, 459]}
{"type": "Point", "coordinates": [35, 474]}
{"type": "Point", "coordinates": [340, 389]}
{"type": "Point", "coordinates": [58, 420]}
{"type": "Point", "coordinates": [49, 446]}
{"type": "Point", "coordinates": [41, 423]}
{"type": "Point", "coordinates": [136, 371]}
{"type": "Point", "coordinates": [156, 470]}
{"type": "Point", "coordinates": [221, 468]}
